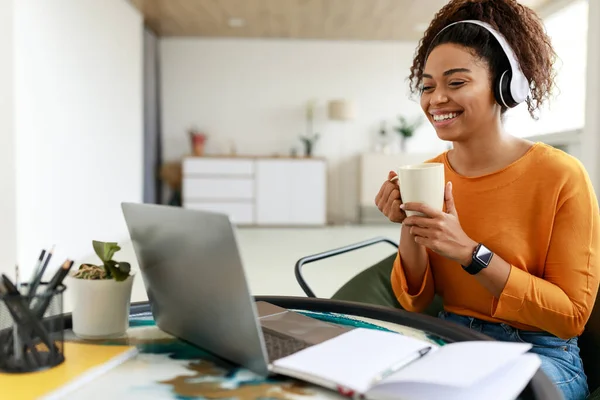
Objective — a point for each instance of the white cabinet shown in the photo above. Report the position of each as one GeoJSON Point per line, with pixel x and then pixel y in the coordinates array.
{"type": "Point", "coordinates": [258, 191]}
{"type": "Point", "coordinates": [291, 192]}
{"type": "Point", "coordinates": [220, 185]}
{"type": "Point", "coordinates": [308, 193]}
{"type": "Point", "coordinates": [272, 192]}
{"type": "Point", "coordinates": [240, 213]}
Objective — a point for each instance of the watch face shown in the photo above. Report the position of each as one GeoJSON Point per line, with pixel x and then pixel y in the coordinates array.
{"type": "Point", "coordinates": [484, 255]}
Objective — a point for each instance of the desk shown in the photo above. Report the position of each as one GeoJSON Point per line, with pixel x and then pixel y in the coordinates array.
{"type": "Point", "coordinates": [167, 368]}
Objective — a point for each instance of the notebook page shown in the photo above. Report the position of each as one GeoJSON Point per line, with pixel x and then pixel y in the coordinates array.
{"type": "Point", "coordinates": [462, 363]}
{"type": "Point", "coordinates": [354, 358]}
{"type": "Point", "coordinates": [506, 383]}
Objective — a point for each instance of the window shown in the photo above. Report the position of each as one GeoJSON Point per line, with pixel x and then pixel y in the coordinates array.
{"type": "Point", "coordinates": [565, 111]}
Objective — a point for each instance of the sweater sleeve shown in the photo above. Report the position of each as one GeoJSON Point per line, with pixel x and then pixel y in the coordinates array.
{"type": "Point", "coordinates": [560, 302]}
{"type": "Point", "coordinates": [416, 302]}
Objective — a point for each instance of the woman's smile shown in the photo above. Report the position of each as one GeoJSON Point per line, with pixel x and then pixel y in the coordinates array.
{"type": "Point", "coordinates": [443, 119]}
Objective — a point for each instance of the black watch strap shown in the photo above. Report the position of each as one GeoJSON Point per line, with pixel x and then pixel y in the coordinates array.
{"type": "Point", "coordinates": [482, 256]}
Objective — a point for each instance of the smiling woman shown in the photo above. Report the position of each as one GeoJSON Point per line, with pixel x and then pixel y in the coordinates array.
{"type": "Point", "coordinates": [514, 252]}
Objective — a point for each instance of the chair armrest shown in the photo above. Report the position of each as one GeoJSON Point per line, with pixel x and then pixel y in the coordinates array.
{"type": "Point", "coordinates": [330, 253]}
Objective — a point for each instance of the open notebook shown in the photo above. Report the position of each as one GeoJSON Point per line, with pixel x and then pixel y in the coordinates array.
{"type": "Point", "coordinates": [385, 365]}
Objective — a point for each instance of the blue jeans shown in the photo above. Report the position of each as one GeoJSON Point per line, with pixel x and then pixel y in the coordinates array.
{"type": "Point", "coordinates": [560, 358]}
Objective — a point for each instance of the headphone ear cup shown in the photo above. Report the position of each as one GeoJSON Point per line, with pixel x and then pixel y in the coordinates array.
{"type": "Point", "coordinates": [502, 90]}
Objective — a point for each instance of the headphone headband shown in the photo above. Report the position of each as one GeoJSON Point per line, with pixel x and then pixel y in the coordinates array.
{"type": "Point", "coordinates": [518, 87]}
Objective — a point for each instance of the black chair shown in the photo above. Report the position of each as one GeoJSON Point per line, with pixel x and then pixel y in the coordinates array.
{"type": "Point", "coordinates": [373, 286]}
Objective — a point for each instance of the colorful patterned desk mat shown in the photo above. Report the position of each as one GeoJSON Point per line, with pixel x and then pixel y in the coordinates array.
{"type": "Point", "coordinates": [168, 368]}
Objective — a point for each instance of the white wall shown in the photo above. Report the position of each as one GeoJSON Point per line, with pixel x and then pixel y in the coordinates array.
{"type": "Point", "coordinates": [8, 245]}
{"type": "Point", "coordinates": [79, 123]}
{"type": "Point", "coordinates": [590, 143]}
{"type": "Point", "coordinates": [253, 92]}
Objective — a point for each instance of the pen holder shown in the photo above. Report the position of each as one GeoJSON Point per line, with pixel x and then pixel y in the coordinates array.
{"type": "Point", "coordinates": [31, 329]}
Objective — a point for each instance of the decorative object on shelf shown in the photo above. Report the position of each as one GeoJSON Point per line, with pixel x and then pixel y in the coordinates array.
{"type": "Point", "coordinates": [310, 138]}
{"type": "Point", "coordinates": [232, 148]}
{"type": "Point", "coordinates": [309, 144]}
{"type": "Point", "coordinates": [198, 140]}
{"type": "Point", "coordinates": [102, 295]}
{"type": "Point", "coordinates": [407, 129]}
{"type": "Point", "coordinates": [384, 143]}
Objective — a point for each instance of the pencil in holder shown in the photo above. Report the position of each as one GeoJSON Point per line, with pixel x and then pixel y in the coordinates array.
{"type": "Point", "coordinates": [32, 329]}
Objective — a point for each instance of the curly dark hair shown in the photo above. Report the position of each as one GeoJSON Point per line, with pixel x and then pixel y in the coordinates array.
{"type": "Point", "coordinates": [522, 28]}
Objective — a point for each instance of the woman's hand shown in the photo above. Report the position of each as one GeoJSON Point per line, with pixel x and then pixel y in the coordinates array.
{"type": "Point", "coordinates": [441, 231]}
{"type": "Point", "coordinates": [388, 199]}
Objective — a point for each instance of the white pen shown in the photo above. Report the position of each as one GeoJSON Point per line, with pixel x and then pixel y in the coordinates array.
{"type": "Point", "coordinates": [401, 364]}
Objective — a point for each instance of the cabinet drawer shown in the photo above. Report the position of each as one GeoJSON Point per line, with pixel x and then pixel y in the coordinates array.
{"type": "Point", "coordinates": [239, 213]}
{"type": "Point", "coordinates": [218, 188]}
{"type": "Point", "coordinates": [208, 166]}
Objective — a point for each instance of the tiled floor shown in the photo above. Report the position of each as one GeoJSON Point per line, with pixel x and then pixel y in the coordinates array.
{"type": "Point", "coordinates": [269, 256]}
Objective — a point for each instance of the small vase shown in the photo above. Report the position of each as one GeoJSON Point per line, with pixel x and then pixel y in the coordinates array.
{"type": "Point", "coordinates": [402, 144]}
{"type": "Point", "coordinates": [198, 141]}
{"type": "Point", "coordinates": [309, 150]}
{"type": "Point", "coordinates": [198, 149]}
{"type": "Point", "coordinates": [101, 307]}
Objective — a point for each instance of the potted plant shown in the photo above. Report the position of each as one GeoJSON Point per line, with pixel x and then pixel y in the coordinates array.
{"type": "Point", "coordinates": [309, 144]}
{"type": "Point", "coordinates": [198, 140]}
{"type": "Point", "coordinates": [406, 130]}
{"type": "Point", "coordinates": [102, 295]}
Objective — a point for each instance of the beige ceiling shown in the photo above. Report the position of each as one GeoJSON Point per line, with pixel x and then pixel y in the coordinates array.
{"type": "Point", "coordinates": [297, 19]}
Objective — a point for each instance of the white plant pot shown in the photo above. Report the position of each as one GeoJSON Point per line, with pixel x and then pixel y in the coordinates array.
{"type": "Point", "coordinates": [101, 307]}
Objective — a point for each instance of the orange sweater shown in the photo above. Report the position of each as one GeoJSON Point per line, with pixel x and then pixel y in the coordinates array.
{"type": "Point", "coordinates": [539, 214]}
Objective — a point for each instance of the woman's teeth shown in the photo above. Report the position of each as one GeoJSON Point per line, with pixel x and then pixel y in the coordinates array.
{"type": "Point", "coordinates": [443, 117]}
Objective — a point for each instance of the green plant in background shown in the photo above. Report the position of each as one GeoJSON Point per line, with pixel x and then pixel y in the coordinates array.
{"type": "Point", "coordinates": [407, 129]}
{"type": "Point", "coordinates": [309, 143]}
{"type": "Point", "coordinates": [110, 269]}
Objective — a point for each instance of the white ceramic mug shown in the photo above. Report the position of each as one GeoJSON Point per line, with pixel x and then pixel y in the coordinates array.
{"type": "Point", "coordinates": [422, 183]}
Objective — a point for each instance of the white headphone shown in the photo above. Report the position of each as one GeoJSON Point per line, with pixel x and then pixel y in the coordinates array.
{"type": "Point", "coordinates": [512, 87]}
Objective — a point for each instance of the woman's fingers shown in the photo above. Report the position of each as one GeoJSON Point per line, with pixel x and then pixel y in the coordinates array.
{"type": "Point", "coordinates": [396, 213]}
{"type": "Point", "coordinates": [418, 231]}
{"type": "Point", "coordinates": [391, 197]}
{"type": "Point", "coordinates": [423, 222]}
{"type": "Point", "coordinates": [384, 194]}
{"type": "Point", "coordinates": [423, 209]}
{"type": "Point", "coordinates": [388, 199]}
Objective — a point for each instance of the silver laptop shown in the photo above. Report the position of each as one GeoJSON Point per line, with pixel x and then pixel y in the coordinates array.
{"type": "Point", "coordinates": [198, 291]}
